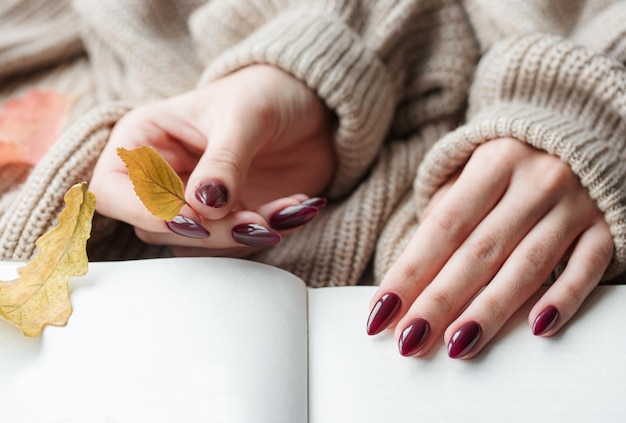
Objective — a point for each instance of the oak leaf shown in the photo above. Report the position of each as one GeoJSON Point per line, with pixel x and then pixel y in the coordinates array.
{"type": "Point", "coordinates": [157, 185]}
{"type": "Point", "coordinates": [40, 295]}
{"type": "Point", "coordinates": [30, 124]}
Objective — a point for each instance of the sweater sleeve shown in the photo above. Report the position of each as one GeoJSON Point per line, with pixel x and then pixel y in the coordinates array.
{"type": "Point", "coordinates": [359, 57]}
{"type": "Point", "coordinates": [557, 95]}
{"type": "Point", "coordinates": [35, 35]}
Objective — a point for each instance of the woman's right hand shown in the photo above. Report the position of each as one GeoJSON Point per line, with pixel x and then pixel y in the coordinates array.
{"type": "Point", "coordinates": [251, 147]}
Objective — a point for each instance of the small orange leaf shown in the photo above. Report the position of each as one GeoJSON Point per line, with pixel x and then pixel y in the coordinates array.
{"type": "Point", "coordinates": [40, 296]}
{"type": "Point", "coordinates": [156, 184]}
{"type": "Point", "coordinates": [30, 124]}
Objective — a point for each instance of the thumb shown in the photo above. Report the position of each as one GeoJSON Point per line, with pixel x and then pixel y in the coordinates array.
{"type": "Point", "coordinates": [215, 185]}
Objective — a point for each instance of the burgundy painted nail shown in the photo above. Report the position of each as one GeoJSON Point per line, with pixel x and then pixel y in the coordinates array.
{"type": "Point", "coordinates": [464, 339]}
{"type": "Point", "coordinates": [254, 235]}
{"type": "Point", "coordinates": [318, 202]}
{"type": "Point", "coordinates": [413, 337]}
{"type": "Point", "coordinates": [545, 320]}
{"type": "Point", "coordinates": [383, 313]}
{"type": "Point", "coordinates": [212, 194]}
{"type": "Point", "coordinates": [293, 216]}
{"type": "Point", "coordinates": [185, 226]}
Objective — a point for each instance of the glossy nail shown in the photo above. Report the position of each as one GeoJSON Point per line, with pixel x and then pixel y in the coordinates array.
{"type": "Point", "coordinates": [383, 313]}
{"type": "Point", "coordinates": [185, 226]}
{"type": "Point", "coordinates": [318, 202]}
{"type": "Point", "coordinates": [254, 235]}
{"type": "Point", "coordinates": [212, 194]}
{"type": "Point", "coordinates": [413, 337]}
{"type": "Point", "coordinates": [545, 320]}
{"type": "Point", "coordinates": [464, 339]}
{"type": "Point", "coordinates": [293, 216]}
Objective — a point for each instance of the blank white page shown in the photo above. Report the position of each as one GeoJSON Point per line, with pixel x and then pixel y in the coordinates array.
{"type": "Point", "coordinates": [576, 376]}
{"type": "Point", "coordinates": [168, 340]}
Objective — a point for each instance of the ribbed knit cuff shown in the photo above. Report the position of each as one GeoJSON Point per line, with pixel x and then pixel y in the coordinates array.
{"type": "Point", "coordinates": [323, 52]}
{"type": "Point", "coordinates": [557, 97]}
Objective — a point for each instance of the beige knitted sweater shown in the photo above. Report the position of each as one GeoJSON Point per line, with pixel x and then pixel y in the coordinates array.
{"type": "Point", "coordinates": [416, 86]}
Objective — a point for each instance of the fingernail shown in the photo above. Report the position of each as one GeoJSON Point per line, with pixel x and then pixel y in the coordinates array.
{"type": "Point", "coordinates": [464, 340]}
{"type": "Point", "coordinates": [185, 226]}
{"type": "Point", "coordinates": [293, 216]}
{"type": "Point", "coordinates": [212, 194]}
{"type": "Point", "coordinates": [545, 320]}
{"type": "Point", "coordinates": [318, 202]}
{"type": "Point", "coordinates": [383, 313]}
{"type": "Point", "coordinates": [413, 337]}
{"type": "Point", "coordinates": [254, 235]}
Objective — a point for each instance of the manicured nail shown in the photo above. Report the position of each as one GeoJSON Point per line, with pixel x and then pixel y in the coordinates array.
{"type": "Point", "coordinates": [185, 226]}
{"type": "Point", "coordinates": [212, 194]}
{"type": "Point", "coordinates": [383, 313]}
{"type": "Point", "coordinates": [545, 320]}
{"type": "Point", "coordinates": [464, 339]}
{"type": "Point", "coordinates": [293, 216]}
{"type": "Point", "coordinates": [254, 235]}
{"type": "Point", "coordinates": [413, 337]}
{"type": "Point", "coordinates": [318, 202]}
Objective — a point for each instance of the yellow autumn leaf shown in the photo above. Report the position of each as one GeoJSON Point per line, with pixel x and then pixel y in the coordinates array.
{"type": "Point", "coordinates": [40, 295]}
{"type": "Point", "coordinates": [157, 185]}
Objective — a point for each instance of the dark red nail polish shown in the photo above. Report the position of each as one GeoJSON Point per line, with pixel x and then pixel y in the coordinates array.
{"type": "Point", "coordinates": [318, 202]}
{"type": "Point", "coordinates": [212, 194]}
{"type": "Point", "coordinates": [293, 216]}
{"type": "Point", "coordinates": [413, 337]}
{"type": "Point", "coordinates": [464, 339]}
{"type": "Point", "coordinates": [254, 235]}
{"type": "Point", "coordinates": [545, 320]}
{"type": "Point", "coordinates": [185, 226]}
{"type": "Point", "coordinates": [383, 313]}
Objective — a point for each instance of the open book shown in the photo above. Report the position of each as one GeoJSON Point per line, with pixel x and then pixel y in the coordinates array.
{"type": "Point", "coordinates": [226, 340]}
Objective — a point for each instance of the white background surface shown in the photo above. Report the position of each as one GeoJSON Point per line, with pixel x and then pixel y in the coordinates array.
{"type": "Point", "coordinates": [577, 376]}
{"type": "Point", "coordinates": [149, 341]}
{"type": "Point", "coordinates": [222, 340]}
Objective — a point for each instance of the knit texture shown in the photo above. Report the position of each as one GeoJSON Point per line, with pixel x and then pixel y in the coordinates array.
{"type": "Point", "coordinates": [577, 112]}
{"type": "Point", "coordinates": [397, 74]}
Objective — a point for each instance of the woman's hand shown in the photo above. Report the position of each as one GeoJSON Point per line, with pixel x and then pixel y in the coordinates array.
{"type": "Point", "coordinates": [487, 241]}
{"type": "Point", "coordinates": [251, 147]}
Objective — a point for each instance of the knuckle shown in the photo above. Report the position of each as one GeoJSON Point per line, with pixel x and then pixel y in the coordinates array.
{"type": "Point", "coordinates": [442, 302]}
{"type": "Point", "coordinates": [447, 221]}
{"type": "Point", "coordinates": [228, 161]}
{"type": "Point", "coordinates": [538, 255]}
{"type": "Point", "coordinates": [485, 250]}
{"type": "Point", "coordinates": [496, 309]}
{"type": "Point", "coordinates": [572, 293]}
{"type": "Point", "coordinates": [598, 252]}
{"type": "Point", "coordinates": [408, 274]}
{"type": "Point", "coordinates": [599, 257]}
{"type": "Point", "coordinates": [555, 175]}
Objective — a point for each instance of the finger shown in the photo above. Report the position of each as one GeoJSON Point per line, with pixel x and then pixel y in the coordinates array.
{"type": "Point", "coordinates": [474, 263]}
{"type": "Point", "coordinates": [450, 221]}
{"type": "Point", "coordinates": [522, 274]}
{"type": "Point", "coordinates": [116, 197]}
{"type": "Point", "coordinates": [288, 216]}
{"type": "Point", "coordinates": [585, 268]}
{"type": "Point", "coordinates": [214, 187]}
{"type": "Point", "coordinates": [236, 230]}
